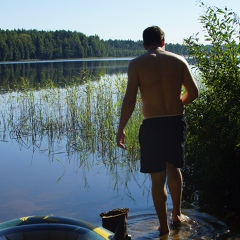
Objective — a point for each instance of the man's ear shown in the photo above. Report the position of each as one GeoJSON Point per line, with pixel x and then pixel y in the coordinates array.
{"type": "Point", "coordinates": [163, 46]}
{"type": "Point", "coordinates": [145, 46]}
{"type": "Point", "coordinates": [163, 43]}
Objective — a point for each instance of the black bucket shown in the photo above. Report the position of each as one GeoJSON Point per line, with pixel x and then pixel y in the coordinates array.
{"type": "Point", "coordinates": [116, 222]}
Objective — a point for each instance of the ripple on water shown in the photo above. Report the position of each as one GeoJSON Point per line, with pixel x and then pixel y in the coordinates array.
{"type": "Point", "coordinates": [197, 226]}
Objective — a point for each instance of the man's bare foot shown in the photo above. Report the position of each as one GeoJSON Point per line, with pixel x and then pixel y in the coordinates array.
{"type": "Point", "coordinates": [163, 232]}
{"type": "Point", "coordinates": [179, 219]}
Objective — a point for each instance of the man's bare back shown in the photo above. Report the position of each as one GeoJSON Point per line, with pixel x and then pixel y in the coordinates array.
{"type": "Point", "coordinates": [161, 75]}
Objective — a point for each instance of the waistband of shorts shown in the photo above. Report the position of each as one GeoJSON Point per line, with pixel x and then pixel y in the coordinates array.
{"type": "Point", "coordinates": [165, 118]}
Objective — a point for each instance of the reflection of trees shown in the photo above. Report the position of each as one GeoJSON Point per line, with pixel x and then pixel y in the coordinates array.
{"type": "Point", "coordinates": [60, 72]}
{"type": "Point", "coordinates": [77, 121]}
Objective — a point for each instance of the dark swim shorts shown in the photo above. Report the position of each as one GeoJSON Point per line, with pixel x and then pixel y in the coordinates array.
{"type": "Point", "coordinates": [162, 139]}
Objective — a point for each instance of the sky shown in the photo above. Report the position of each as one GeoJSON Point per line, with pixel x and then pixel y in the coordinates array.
{"type": "Point", "coordinates": [110, 19]}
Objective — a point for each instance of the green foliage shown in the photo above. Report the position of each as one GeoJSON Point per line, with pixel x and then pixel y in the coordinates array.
{"type": "Point", "coordinates": [214, 119]}
{"type": "Point", "coordinates": [23, 44]}
{"type": "Point", "coordinates": [176, 48]}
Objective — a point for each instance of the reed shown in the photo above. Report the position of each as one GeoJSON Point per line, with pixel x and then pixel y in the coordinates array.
{"type": "Point", "coordinates": [79, 121]}
{"type": "Point", "coordinates": [80, 118]}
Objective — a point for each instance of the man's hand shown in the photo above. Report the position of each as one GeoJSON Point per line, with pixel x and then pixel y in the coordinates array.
{"type": "Point", "coordinates": [121, 137]}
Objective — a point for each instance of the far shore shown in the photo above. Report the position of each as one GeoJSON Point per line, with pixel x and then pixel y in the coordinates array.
{"type": "Point", "coordinates": [68, 60]}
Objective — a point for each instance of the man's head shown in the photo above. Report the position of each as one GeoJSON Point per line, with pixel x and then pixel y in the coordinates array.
{"type": "Point", "coordinates": [153, 36]}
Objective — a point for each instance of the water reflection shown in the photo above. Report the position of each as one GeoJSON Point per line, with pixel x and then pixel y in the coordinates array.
{"type": "Point", "coordinates": [59, 72]}
{"type": "Point", "coordinates": [30, 185]}
{"type": "Point", "coordinates": [58, 156]}
{"type": "Point", "coordinates": [144, 226]}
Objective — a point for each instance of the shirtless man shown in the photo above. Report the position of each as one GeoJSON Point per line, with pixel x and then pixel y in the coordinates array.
{"type": "Point", "coordinates": [160, 76]}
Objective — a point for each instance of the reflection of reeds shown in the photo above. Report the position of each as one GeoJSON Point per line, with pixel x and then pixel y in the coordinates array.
{"type": "Point", "coordinates": [83, 118]}
{"type": "Point", "coordinates": [79, 121]}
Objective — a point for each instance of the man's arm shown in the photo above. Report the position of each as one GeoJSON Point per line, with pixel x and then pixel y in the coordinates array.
{"type": "Point", "coordinates": [190, 85]}
{"type": "Point", "coordinates": [128, 104]}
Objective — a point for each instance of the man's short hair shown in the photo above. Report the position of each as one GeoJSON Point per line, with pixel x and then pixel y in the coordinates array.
{"type": "Point", "coordinates": [153, 35]}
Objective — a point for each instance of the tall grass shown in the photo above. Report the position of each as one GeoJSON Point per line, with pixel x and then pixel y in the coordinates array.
{"type": "Point", "coordinates": [80, 119]}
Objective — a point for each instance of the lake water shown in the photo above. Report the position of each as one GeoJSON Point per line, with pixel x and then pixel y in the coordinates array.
{"type": "Point", "coordinates": [48, 179]}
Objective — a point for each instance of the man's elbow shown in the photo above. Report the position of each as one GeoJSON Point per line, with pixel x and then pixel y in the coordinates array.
{"type": "Point", "coordinates": [129, 101]}
{"type": "Point", "coordinates": [195, 94]}
{"type": "Point", "coordinates": [193, 97]}
{"type": "Point", "coordinates": [189, 97]}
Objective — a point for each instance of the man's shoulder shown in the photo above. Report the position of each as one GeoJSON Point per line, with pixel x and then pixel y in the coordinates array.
{"type": "Point", "coordinates": [137, 60]}
{"type": "Point", "coordinates": [177, 59]}
{"type": "Point", "coordinates": [166, 53]}
{"type": "Point", "coordinates": [143, 56]}
{"type": "Point", "coordinates": [174, 55]}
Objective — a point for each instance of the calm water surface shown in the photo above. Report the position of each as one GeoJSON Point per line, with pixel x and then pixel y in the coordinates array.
{"type": "Point", "coordinates": [35, 181]}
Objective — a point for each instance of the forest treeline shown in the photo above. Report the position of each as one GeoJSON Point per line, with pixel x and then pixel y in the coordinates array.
{"type": "Point", "coordinates": [23, 44]}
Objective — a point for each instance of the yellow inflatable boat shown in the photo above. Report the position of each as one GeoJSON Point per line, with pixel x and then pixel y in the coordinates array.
{"type": "Point", "coordinates": [51, 228]}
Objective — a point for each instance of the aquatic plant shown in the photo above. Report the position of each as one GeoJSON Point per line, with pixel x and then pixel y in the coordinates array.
{"type": "Point", "coordinates": [79, 121]}
{"type": "Point", "coordinates": [78, 118]}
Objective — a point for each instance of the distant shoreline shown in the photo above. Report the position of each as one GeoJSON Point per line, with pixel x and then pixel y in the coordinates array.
{"type": "Point", "coordinates": [68, 60]}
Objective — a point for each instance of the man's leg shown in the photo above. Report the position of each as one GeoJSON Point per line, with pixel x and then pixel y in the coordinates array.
{"type": "Point", "coordinates": [175, 185]}
{"type": "Point", "coordinates": [159, 194]}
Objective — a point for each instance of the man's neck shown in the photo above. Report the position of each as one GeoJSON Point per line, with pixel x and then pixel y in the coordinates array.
{"type": "Point", "coordinates": [154, 47]}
